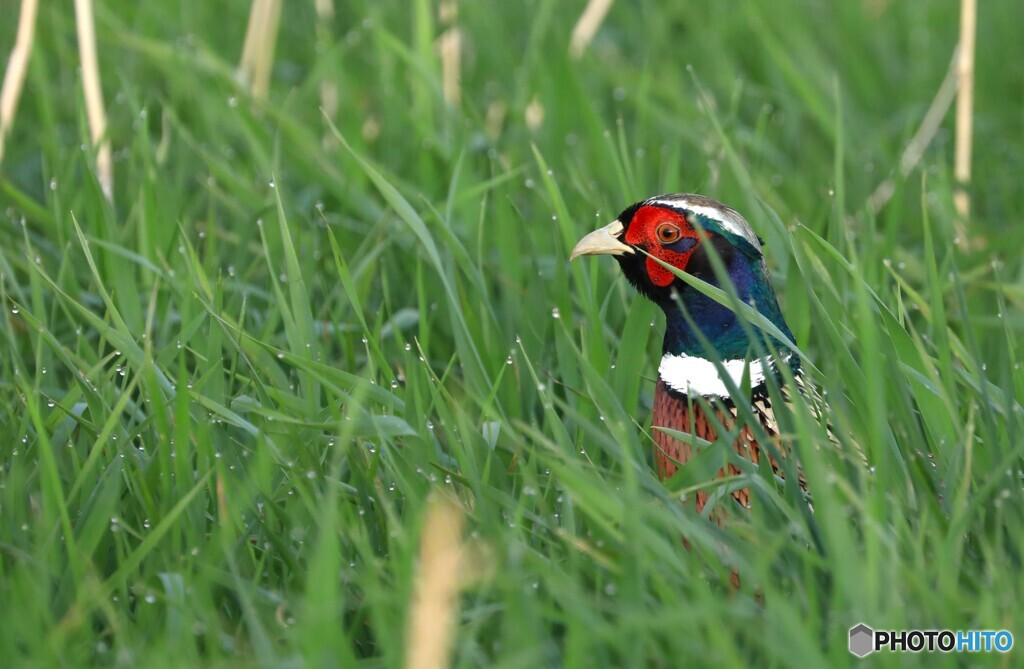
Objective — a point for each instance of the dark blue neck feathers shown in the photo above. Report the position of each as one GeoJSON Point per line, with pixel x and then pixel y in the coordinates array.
{"type": "Point", "coordinates": [718, 323]}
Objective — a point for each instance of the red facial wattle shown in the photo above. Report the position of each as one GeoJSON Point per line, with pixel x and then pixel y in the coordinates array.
{"type": "Point", "coordinates": [647, 230]}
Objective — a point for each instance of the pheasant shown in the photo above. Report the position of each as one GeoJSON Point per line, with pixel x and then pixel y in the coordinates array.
{"type": "Point", "coordinates": [677, 229]}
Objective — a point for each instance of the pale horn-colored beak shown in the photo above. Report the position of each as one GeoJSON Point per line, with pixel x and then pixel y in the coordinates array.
{"type": "Point", "coordinates": [603, 241]}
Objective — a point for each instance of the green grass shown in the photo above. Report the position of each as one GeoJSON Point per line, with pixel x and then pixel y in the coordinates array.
{"type": "Point", "coordinates": [226, 397]}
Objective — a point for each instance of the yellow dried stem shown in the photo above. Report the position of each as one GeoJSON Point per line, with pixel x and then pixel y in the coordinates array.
{"type": "Point", "coordinates": [965, 108]}
{"type": "Point", "coordinates": [95, 112]}
{"type": "Point", "coordinates": [495, 119]}
{"type": "Point", "coordinates": [450, 44]}
{"type": "Point", "coordinates": [17, 67]}
{"type": "Point", "coordinates": [534, 114]}
{"type": "Point", "coordinates": [245, 65]}
{"type": "Point", "coordinates": [435, 606]}
{"type": "Point", "coordinates": [258, 48]}
{"type": "Point", "coordinates": [325, 9]}
{"type": "Point", "coordinates": [587, 25]}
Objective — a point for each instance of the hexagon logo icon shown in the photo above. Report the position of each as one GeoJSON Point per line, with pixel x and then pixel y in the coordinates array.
{"type": "Point", "coordinates": [862, 640]}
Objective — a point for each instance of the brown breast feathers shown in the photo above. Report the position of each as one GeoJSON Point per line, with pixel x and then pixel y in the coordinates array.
{"type": "Point", "coordinates": [675, 412]}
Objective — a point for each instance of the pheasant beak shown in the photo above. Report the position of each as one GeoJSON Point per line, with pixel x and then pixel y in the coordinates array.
{"type": "Point", "coordinates": [603, 241]}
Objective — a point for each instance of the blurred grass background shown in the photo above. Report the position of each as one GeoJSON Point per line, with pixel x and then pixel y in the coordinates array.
{"type": "Point", "coordinates": [228, 393]}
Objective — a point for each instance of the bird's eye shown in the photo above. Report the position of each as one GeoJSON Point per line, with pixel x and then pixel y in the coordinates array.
{"type": "Point", "coordinates": [668, 233]}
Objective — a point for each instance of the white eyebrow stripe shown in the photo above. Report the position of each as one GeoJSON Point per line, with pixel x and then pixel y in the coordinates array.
{"type": "Point", "coordinates": [727, 223]}
{"type": "Point", "coordinates": [694, 375]}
